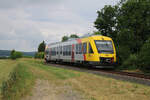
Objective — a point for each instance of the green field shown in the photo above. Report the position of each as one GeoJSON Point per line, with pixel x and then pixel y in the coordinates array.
{"type": "Point", "coordinates": [36, 81]}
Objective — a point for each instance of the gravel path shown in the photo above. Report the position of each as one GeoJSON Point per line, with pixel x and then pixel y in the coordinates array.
{"type": "Point", "coordinates": [43, 90]}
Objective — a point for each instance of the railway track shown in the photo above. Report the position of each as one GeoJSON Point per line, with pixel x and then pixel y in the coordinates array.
{"type": "Point", "coordinates": [119, 75]}
{"type": "Point", "coordinates": [137, 75]}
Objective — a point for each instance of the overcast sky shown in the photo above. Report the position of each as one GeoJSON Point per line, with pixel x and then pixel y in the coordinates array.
{"type": "Point", "coordinates": [26, 23]}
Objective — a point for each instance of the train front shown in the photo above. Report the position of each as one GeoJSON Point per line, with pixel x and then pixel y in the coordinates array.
{"type": "Point", "coordinates": [104, 52]}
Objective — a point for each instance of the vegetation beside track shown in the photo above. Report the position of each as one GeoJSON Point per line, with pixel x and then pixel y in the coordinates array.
{"type": "Point", "coordinates": [89, 86]}
{"type": "Point", "coordinates": [127, 23]}
{"type": "Point", "coordinates": [6, 67]}
{"type": "Point", "coordinates": [19, 83]}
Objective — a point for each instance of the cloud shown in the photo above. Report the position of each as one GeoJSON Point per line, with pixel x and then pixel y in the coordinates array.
{"type": "Point", "coordinates": [17, 32]}
{"type": "Point", "coordinates": [9, 4]}
{"type": "Point", "coordinates": [26, 23]}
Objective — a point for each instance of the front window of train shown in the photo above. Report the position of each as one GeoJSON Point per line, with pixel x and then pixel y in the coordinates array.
{"type": "Point", "coordinates": [104, 46]}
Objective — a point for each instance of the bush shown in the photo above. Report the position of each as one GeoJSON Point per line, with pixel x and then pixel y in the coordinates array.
{"type": "Point", "coordinates": [131, 62]}
{"type": "Point", "coordinates": [4, 57]}
{"type": "Point", "coordinates": [144, 56]}
{"type": "Point", "coordinates": [18, 54]}
{"type": "Point", "coordinates": [15, 54]}
{"type": "Point", "coordinates": [27, 57]}
{"type": "Point", "coordinates": [39, 55]}
{"type": "Point", "coordinates": [123, 53]}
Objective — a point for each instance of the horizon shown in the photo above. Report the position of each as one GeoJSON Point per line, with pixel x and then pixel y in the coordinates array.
{"type": "Point", "coordinates": [18, 50]}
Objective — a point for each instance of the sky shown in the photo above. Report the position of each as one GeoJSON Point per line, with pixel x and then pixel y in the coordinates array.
{"type": "Point", "coordinates": [26, 23]}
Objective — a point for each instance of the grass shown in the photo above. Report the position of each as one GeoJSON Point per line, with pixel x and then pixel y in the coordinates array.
{"type": "Point", "coordinates": [101, 88]}
{"type": "Point", "coordinates": [18, 84]}
{"type": "Point", "coordinates": [91, 87]}
{"type": "Point", "coordinates": [6, 67]}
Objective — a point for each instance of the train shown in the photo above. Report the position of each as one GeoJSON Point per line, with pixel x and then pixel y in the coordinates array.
{"type": "Point", "coordinates": [95, 50]}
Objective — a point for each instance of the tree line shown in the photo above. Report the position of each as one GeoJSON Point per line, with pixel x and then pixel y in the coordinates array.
{"type": "Point", "coordinates": [128, 24]}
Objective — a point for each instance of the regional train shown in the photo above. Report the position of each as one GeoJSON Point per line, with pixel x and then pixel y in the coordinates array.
{"type": "Point", "coordinates": [93, 50]}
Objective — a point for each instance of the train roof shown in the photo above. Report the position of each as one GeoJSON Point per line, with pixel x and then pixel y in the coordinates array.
{"type": "Point", "coordinates": [87, 36]}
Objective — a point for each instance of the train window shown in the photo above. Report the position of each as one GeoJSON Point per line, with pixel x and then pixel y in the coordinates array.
{"type": "Point", "coordinates": [84, 48]}
{"type": "Point", "coordinates": [80, 48]}
{"type": "Point", "coordinates": [104, 46]}
{"type": "Point", "coordinates": [66, 50]}
{"type": "Point", "coordinates": [69, 50]}
{"type": "Point", "coordinates": [90, 48]}
{"type": "Point", "coordinates": [51, 51]}
{"type": "Point", "coordinates": [60, 50]}
{"type": "Point", "coordinates": [63, 50]}
{"type": "Point", "coordinates": [54, 51]}
{"type": "Point", "coordinates": [57, 50]}
{"type": "Point", "coordinates": [77, 49]}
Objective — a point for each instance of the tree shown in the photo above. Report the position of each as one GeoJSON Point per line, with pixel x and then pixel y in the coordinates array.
{"type": "Point", "coordinates": [144, 56]}
{"type": "Point", "coordinates": [14, 54]}
{"type": "Point", "coordinates": [41, 47]}
{"type": "Point", "coordinates": [64, 38]}
{"type": "Point", "coordinates": [74, 36]}
{"type": "Point", "coordinates": [106, 21]}
{"type": "Point", "coordinates": [39, 55]}
{"type": "Point", "coordinates": [134, 17]}
{"type": "Point", "coordinates": [97, 33]}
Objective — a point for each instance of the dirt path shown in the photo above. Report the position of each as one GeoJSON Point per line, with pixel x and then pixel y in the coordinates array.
{"type": "Point", "coordinates": [43, 90]}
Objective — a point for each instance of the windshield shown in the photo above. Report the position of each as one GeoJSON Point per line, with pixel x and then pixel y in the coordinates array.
{"type": "Point", "coordinates": [104, 46]}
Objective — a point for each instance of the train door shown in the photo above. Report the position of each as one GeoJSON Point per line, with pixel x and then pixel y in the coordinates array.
{"type": "Point", "coordinates": [72, 54]}
{"type": "Point", "coordinates": [84, 50]}
{"type": "Point", "coordinates": [58, 52]}
{"type": "Point", "coordinates": [90, 50]}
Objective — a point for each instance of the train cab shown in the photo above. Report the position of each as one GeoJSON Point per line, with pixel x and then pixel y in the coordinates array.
{"type": "Point", "coordinates": [101, 51]}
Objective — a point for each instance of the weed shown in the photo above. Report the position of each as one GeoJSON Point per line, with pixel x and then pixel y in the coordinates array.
{"type": "Point", "coordinates": [18, 84]}
{"type": "Point", "coordinates": [92, 98]}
